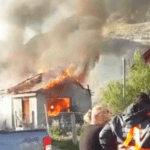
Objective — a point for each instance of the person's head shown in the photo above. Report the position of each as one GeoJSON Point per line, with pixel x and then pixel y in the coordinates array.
{"type": "Point", "coordinates": [140, 101]}
{"type": "Point", "coordinates": [143, 97]}
{"type": "Point", "coordinates": [100, 114]}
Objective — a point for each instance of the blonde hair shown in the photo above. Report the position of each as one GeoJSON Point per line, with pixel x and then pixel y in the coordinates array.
{"type": "Point", "coordinates": [96, 110]}
{"type": "Point", "coordinates": [87, 116]}
{"type": "Point", "coordinates": [100, 107]}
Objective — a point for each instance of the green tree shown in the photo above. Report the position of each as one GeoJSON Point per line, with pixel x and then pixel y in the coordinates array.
{"type": "Point", "coordinates": [112, 94]}
{"type": "Point", "coordinates": [139, 74]}
{"type": "Point", "coordinates": [137, 81]}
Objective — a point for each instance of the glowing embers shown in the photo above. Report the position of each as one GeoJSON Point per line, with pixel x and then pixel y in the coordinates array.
{"type": "Point", "coordinates": [57, 105]}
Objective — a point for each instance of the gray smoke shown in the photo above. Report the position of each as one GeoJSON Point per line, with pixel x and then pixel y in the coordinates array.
{"type": "Point", "coordinates": [18, 15]}
{"type": "Point", "coordinates": [73, 39]}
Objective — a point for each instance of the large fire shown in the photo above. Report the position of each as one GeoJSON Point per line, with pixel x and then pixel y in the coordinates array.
{"type": "Point", "coordinates": [68, 73]}
{"type": "Point", "coordinates": [57, 105]}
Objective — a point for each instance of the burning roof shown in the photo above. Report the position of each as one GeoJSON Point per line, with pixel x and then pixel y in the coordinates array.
{"type": "Point", "coordinates": [45, 81]}
{"type": "Point", "coordinates": [27, 85]}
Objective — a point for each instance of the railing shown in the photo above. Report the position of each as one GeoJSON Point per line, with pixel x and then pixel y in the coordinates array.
{"type": "Point", "coordinates": [68, 121]}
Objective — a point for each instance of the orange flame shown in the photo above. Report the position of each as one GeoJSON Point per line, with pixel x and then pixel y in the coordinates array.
{"type": "Point", "coordinates": [69, 70]}
{"type": "Point", "coordinates": [134, 132]}
{"type": "Point", "coordinates": [68, 73]}
{"type": "Point", "coordinates": [58, 105]}
{"type": "Point", "coordinates": [43, 70]}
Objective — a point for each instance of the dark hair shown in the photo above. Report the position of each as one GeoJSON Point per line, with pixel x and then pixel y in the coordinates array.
{"type": "Point", "coordinates": [143, 97]}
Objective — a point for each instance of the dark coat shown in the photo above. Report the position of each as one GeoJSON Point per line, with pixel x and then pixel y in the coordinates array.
{"type": "Point", "coordinates": [90, 138]}
{"type": "Point", "coordinates": [115, 132]}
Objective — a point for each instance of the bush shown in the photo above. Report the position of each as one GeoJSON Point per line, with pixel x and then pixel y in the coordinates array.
{"type": "Point", "coordinates": [112, 94]}
{"type": "Point", "coordinates": [80, 130]}
{"type": "Point", "coordinates": [56, 132]}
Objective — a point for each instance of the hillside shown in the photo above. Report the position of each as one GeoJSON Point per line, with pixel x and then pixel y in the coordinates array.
{"type": "Point", "coordinates": [133, 32]}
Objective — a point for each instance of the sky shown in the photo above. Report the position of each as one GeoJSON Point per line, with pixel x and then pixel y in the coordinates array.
{"type": "Point", "coordinates": [72, 34]}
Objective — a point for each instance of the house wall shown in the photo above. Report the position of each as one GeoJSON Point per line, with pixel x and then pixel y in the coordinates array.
{"type": "Point", "coordinates": [11, 104]}
{"type": "Point", "coordinates": [7, 111]}
{"type": "Point", "coordinates": [1, 113]}
{"type": "Point", "coordinates": [16, 110]}
{"type": "Point", "coordinates": [17, 106]}
{"type": "Point", "coordinates": [80, 99]}
{"type": "Point", "coordinates": [41, 101]}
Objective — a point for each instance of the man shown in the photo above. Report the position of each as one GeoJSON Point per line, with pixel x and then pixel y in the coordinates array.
{"type": "Point", "coordinates": [129, 130]}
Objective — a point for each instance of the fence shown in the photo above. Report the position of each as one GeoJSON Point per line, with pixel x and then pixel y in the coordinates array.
{"type": "Point", "coordinates": [64, 120]}
{"type": "Point", "coordinates": [69, 122]}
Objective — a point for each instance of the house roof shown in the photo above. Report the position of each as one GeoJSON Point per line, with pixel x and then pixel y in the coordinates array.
{"type": "Point", "coordinates": [27, 85]}
{"type": "Point", "coordinates": [38, 82]}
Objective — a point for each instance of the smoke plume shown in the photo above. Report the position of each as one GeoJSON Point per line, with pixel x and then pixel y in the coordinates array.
{"type": "Point", "coordinates": [74, 38]}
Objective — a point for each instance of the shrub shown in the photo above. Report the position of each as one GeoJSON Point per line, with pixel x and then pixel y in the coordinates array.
{"type": "Point", "coordinates": [56, 132]}
{"type": "Point", "coordinates": [80, 130]}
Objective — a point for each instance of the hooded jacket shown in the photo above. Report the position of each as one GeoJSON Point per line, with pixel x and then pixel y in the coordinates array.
{"type": "Point", "coordinates": [116, 131]}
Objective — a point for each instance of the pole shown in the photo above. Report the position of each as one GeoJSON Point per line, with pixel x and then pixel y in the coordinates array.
{"type": "Point", "coordinates": [123, 102]}
{"type": "Point", "coordinates": [47, 125]}
{"type": "Point", "coordinates": [33, 123]}
{"type": "Point", "coordinates": [74, 132]}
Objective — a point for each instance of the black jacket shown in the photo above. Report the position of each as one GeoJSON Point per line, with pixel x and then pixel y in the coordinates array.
{"type": "Point", "coordinates": [115, 132]}
{"type": "Point", "coordinates": [90, 138]}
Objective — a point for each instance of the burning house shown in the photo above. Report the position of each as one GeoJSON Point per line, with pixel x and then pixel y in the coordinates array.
{"type": "Point", "coordinates": [24, 103]}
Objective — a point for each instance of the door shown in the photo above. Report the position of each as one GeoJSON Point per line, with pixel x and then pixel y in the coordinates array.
{"type": "Point", "coordinates": [17, 111]}
{"type": "Point", "coordinates": [25, 106]}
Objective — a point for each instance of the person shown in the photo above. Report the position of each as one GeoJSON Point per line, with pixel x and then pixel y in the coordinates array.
{"type": "Point", "coordinates": [95, 119]}
{"type": "Point", "coordinates": [130, 129]}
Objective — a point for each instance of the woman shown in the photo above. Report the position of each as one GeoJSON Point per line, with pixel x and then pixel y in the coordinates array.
{"type": "Point", "coordinates": [96, 119]}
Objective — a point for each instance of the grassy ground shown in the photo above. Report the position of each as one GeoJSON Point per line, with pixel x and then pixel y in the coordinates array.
{"type": "Point", "coordinates": [63, 139]}
{"type": "Point", "coordinates": [65, 144]}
